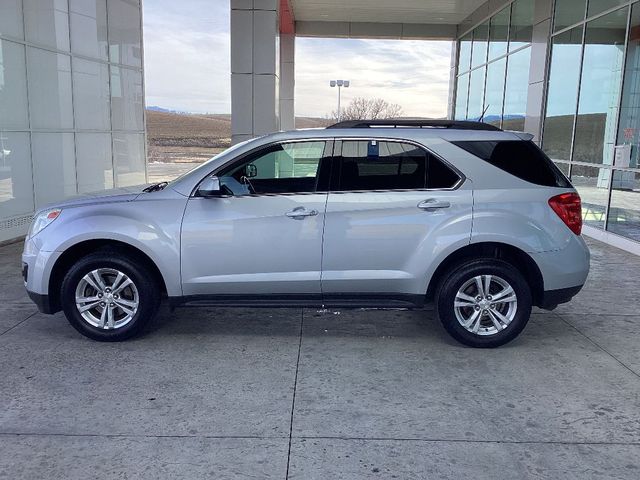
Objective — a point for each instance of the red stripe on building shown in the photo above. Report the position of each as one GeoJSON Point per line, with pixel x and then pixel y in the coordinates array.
{"type": "Point", "coordinates": [287, 24]}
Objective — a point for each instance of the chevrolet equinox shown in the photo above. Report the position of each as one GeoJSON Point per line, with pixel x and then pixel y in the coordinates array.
{"type": "Point", "coordinates": [382, 214]}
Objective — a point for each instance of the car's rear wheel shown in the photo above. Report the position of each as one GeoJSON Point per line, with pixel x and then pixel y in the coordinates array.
{"type": "Point", "coordinates": [108, 296]}
{"type": "Point", "coordinates": [484, 303]}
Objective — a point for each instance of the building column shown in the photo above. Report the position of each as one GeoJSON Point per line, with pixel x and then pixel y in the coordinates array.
{"type": "Point", "coordinates": [254, 68]}
{"type": "Point", "coordinates": [451, 101]}
{"type": "Point", "coordinates": [538, 68]}
{"type": "Point", "coordinates": [287, 81]}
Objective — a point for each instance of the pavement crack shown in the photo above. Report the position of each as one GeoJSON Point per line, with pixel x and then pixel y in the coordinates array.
{"type": "Point", "coordinates": [321, 437]}
{"type": "Point", "coordinates": [599, 346]}
{"type": "Point", "coordinates": [466, 440]}
{"type": "Point", "coordinates": [295, 386]}
{"type": "Point", "coordinates": [141, 435]}
{"type": "Point", "coordinates": [18, 324]}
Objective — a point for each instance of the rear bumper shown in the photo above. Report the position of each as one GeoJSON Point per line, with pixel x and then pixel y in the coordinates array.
{"type": "Point", "coordinates": [564, 269]}
{"type": "Point", "coordinates": [552, 298]}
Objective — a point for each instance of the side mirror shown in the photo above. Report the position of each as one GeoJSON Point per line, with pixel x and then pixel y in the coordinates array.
{"type": "Point", "coordinates": [210, 187]}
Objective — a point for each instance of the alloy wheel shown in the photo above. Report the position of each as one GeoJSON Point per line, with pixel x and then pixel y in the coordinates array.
{"type": "Point", "coordinates": [485, 304]}
{"type": "Point", "coordinates": [107, 298]}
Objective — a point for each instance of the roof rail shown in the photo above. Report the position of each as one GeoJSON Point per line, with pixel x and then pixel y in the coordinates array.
{"type": "Point", "coordinates": [400, 123]}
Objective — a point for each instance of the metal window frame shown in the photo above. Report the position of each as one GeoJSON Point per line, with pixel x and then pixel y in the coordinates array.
{"type": "Point", "coordinates": [507, 6]}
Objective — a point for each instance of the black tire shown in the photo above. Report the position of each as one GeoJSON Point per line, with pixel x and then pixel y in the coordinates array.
{"type": "Point", "coordinates": [143, 279]}
{"type": "Point", "coordinates": [451, 283]}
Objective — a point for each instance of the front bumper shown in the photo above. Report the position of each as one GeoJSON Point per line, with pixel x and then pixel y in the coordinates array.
{"type": "Point", "coordinates": [42, 302]}
{"type": "Point", "coordinates": [36, 272]}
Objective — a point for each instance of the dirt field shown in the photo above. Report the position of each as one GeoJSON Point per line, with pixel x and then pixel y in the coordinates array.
{"type": "Point", "coordinates": [180, 138]}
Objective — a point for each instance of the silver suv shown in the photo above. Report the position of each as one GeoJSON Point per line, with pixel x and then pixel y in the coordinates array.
{"type": "Point", "coordinates": [390, 214]}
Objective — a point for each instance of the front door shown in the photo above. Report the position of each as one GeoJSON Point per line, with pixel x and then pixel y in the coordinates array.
{"type": "Point", "coordinates": [393, 206]}
{"type": "Point", "coordinates": [263, 239]}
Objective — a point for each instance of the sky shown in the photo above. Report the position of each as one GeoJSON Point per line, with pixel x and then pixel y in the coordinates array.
{"type": "Point", "coordinates": [187, 65]}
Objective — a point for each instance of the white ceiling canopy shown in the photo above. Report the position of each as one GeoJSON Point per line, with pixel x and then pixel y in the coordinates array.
{"type": "Point", "coordinates": [444, 12]}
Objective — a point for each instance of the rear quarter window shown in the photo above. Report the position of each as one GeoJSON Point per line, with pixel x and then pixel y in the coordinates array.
{"type": "Point", "coordinates": [520, 158]}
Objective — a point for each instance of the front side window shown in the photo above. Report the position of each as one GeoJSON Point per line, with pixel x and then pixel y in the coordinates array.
{"type": "Point", "coordinates": [282, 168]}
{"type": "Point", "coordinates": [381, 165]}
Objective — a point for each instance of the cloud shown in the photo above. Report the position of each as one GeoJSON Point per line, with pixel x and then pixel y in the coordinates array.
{"type": "Point", "coordinates": [187, 65]}
{"type": "Point", "coordinates": [187, 60]}
{"type": "Point", "coordinates": [414, 74]}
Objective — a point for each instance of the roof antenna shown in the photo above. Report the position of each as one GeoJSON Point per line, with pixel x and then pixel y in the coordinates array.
{"type": "Point", "coordinates": [484, 111]}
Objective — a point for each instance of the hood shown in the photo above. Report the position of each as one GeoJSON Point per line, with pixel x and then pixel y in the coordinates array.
{"type": "Point", "coordinates": [123, 194]}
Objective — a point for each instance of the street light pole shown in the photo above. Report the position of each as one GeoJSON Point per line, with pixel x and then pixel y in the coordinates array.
{"type": "Point", "coordinates": [339, 84]}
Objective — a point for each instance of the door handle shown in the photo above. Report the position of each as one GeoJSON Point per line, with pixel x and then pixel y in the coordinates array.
{"type": "Point", "coordinates": [432, 204]}
{"type": "Point", "coordinates": [301, 212]}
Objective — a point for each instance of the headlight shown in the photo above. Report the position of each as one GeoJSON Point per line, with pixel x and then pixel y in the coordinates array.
{"type": "Point", "coordinates": [42, 219]}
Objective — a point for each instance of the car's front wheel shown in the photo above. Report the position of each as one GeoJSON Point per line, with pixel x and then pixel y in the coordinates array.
{"type": "Point", "coordinates": [109, 296]}
{"type": "Point", "coordinates": [484, 303]}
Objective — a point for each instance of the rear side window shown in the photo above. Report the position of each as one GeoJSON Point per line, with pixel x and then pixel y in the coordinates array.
{"type": "Point", "coordinates": [380, 165]}
{"type": "Point", "coordinates": [520, 158]}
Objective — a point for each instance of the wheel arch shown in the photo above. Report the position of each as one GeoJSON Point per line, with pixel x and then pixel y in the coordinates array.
{"type": "Point", "coordinates": [492, 250]}
{"type": "Point", "coordinates": [80, 249]}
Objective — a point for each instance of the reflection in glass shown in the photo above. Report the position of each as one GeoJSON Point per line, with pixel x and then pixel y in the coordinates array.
{"type": "Point", "coordinates": [11, 18]}
{"type": "Point", "coordinates": [562, 96]}
{"type": "Point", "coordinates": [94, 163]}
{"type": "Point", "coordinates": [16, 184]}
{"type": "Point", "coordinates": [49, 89]}
{"type": "Point", "coordinates": [629, 127]}
{"type": "Point", "coordinates": [89, 28]}
{"type": "Point", "coordinates": [124, 33]}
{"type": "Point", "coordinates": [568, 12]}
{"type": "Point", "coordinates": [599, 6]}
{"type": "Point", "coordinates": [91, 95]}
{"type": "Point", "coordinates": [515, 99]}
{"type": "Point", "coordinates": [593, 192]}
{"type": "Point", "coordinates": [600, 84]}
{"type": "Point", "coordinates": [126, 99]}
{"type": "Point", "coordinates": [476, 94]}
{"type": "Point", "coordinates": [624, 211]}
{"type": "Point", "coordinates": [480, 38]}
{"type": "Point", "coordinates": [54, 166]}
{"type": "Point", "coordinates": [13, 89]}
{"type": "Point", "coordinates": [499, 33]}
{"type": "Point", "coordinates": [46, 22]}
{"type": "Point", "coordinates": [494, 97]}
{"type": "Point", "coordinates": [521, 24]}
{"type": "Point", "coordinates": [564, 168]}
{"type": "Point", "coordinates": [462, 94]}
{"type": "Point", "coordinates": [128, 156]}
{"type": "Point", "coordinates": [464, 60]}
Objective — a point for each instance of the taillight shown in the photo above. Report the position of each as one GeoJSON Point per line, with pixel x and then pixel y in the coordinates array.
{"type": "Point", "coordinates": [568, 207]}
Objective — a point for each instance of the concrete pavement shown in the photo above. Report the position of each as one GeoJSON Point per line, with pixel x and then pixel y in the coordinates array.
{"type": "Point", "coordinates": [271, 393]}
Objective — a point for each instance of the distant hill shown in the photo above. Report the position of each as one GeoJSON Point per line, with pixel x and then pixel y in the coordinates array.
{"type": "Point", "coordinates": [155, 108]}
{"type": "Point", "coordinates": [177, 129]}
{"type": "Point", "coordinates": [170, 128]}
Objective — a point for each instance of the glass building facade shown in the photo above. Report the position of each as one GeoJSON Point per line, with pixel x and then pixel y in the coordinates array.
{"type": "Point", "coordinates": [588, 103]}
{"type": "Point", "coordinates": [71, 102]}
{"type": "Point", "coordinates": [493, 68]}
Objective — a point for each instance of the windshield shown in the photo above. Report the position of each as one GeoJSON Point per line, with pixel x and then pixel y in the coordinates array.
{"type": "Point", "coordinates": [204, 165]}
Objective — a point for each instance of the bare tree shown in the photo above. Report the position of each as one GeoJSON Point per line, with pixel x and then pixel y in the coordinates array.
{"type": "Point", "coordinates": [361, 108]}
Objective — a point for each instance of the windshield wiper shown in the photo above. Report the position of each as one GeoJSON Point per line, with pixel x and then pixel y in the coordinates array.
{"type": "Point", "coordinates": [155, 187]}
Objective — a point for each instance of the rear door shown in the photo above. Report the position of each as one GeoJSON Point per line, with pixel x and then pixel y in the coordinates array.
{"type": "Point", "coordinates": [391, 208]}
